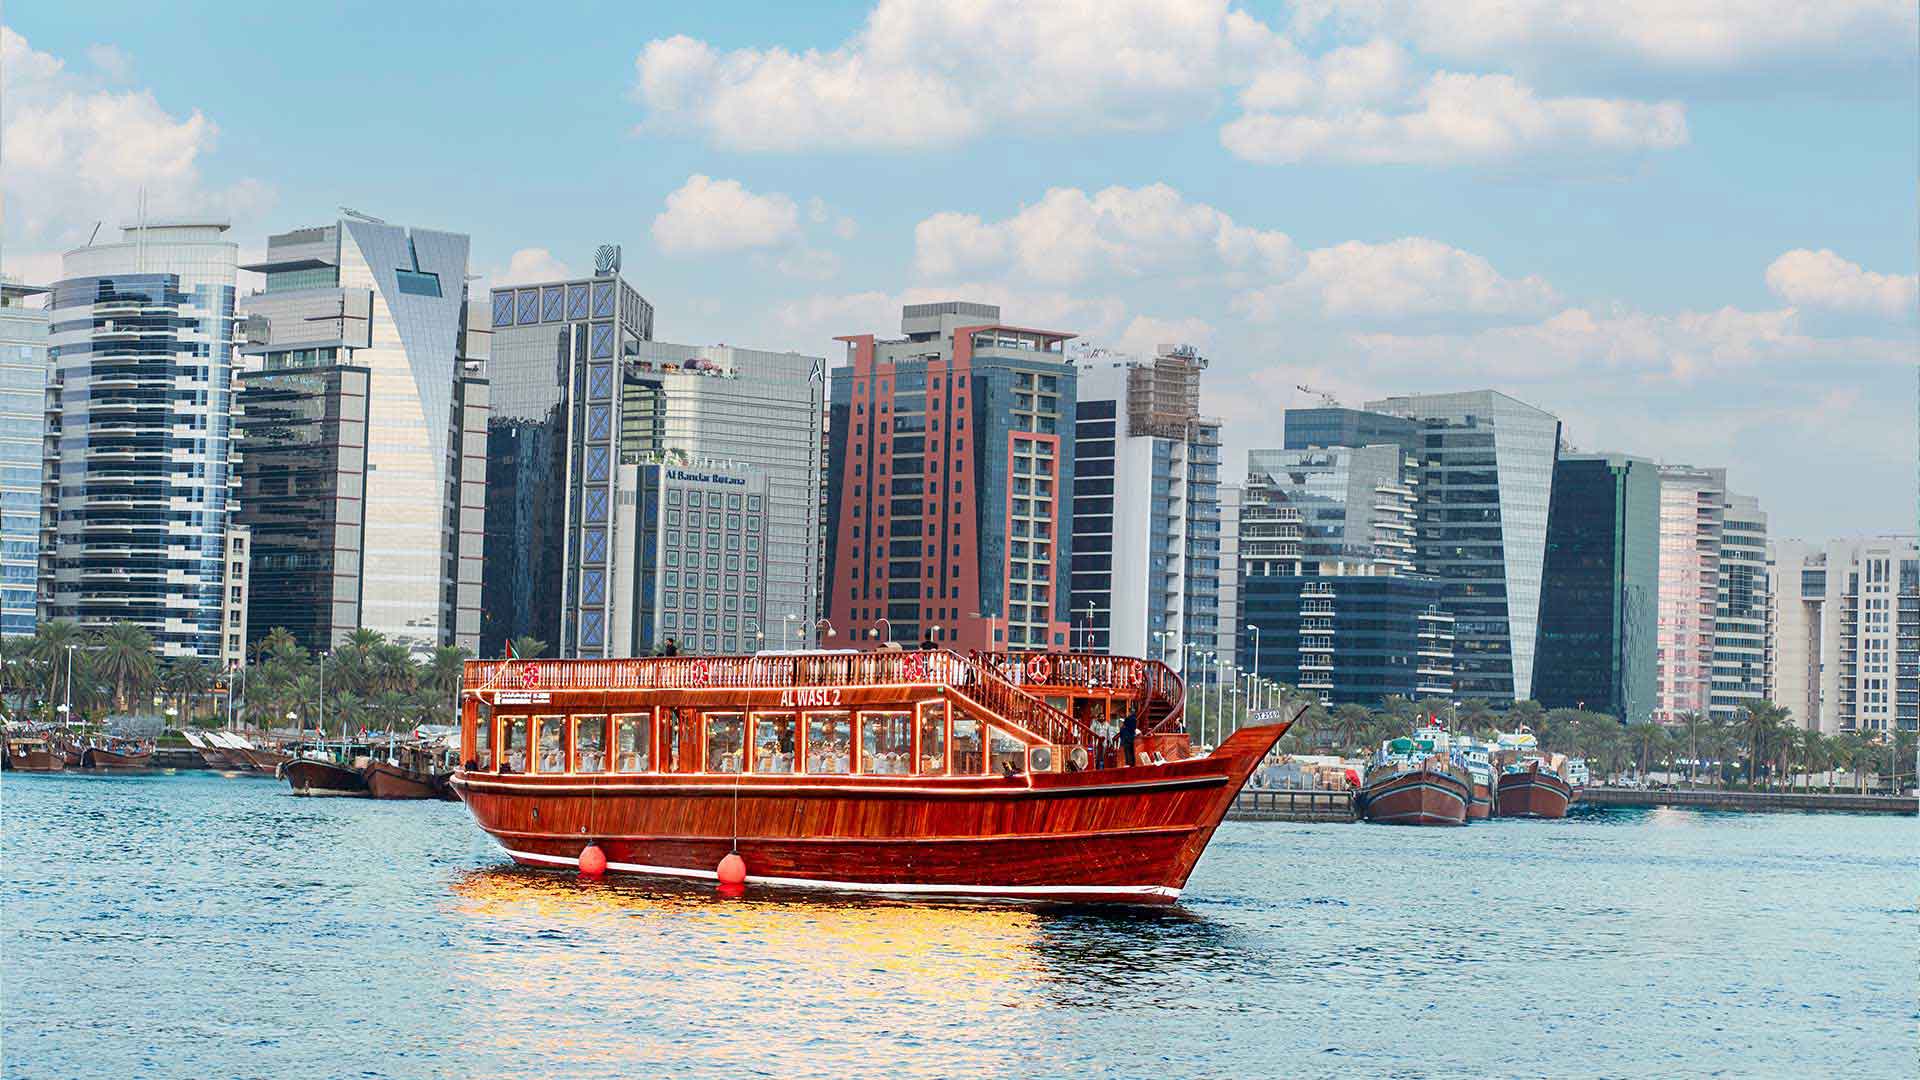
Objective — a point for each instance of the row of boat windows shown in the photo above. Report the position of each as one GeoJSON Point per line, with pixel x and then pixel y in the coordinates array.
{"type": "Point", "coordinates": [926, 741]}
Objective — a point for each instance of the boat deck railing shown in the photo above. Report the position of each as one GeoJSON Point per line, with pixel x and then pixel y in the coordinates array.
{"type": "Point", "coordinates": [978, 681]}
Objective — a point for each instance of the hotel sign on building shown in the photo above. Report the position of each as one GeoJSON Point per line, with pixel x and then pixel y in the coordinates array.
{"type": "Point", "coordinates": [699, 563]}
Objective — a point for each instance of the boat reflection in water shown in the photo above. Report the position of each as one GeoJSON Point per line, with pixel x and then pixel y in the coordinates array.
{"type": "Point", "coordinates": [824, 977]}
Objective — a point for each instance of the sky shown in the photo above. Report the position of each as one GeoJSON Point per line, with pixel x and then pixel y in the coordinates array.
{"type": "Point", "coordinates": [1686, 228]}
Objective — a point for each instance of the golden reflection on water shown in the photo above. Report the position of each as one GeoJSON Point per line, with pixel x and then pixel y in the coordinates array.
{"type": "Point", "coordinates": [630, 973]}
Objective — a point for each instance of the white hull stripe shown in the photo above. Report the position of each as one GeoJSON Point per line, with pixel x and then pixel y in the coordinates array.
{"type": "Point", "coordinates": [1033, 891]}
{"type": "Point", "coordinates": [787, 790]}
{"type": "Point", "coordinates": [1420, 815]}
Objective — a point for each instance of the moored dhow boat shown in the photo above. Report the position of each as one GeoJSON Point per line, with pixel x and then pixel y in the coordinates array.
{"type": "Point", "coordinates": [1416, 782]}
{"type": "Point", "coordinates": [1533, 789]}
{"type": "Point", "coordinates": [312, 776]}
{"type": "Point", "coordinates": [122, 756]}
{"type": "Point", "coordinates": [32, 754]}
{"type": "Point", "coordinates": [387, 780]}
{"type": "Point", "coordinates": [922, 773]}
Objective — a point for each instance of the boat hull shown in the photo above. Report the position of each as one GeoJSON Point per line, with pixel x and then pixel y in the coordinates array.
{"type": "Point", "coordinates": [308, 777]}
{"type": "Point", "coordinates": [35, 761]}
{"type": "Point", "coordinates": [385, 781]}
{"type": "Point", "coordinates": [97, 757]}
{"type": "Point", "coordinates": [1417, 797]}
{"type": "Point", "coordinates": [1534, 795]}
{"type": "Point", "coordinates": [1120, 835]}
{"type": "Point", "coordinates": [1480, 802]}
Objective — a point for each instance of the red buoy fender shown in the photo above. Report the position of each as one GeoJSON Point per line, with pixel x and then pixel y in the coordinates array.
{"type": "Point", "coordinates": [593, 861]}
{"type": "Point", "coordinates": [733, 869]}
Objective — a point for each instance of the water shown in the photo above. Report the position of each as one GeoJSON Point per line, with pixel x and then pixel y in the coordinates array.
{"type": "Point", "coordinates": [208, 926]}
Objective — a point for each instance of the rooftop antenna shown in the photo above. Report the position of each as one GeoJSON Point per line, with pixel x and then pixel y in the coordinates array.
{"type": "Point", "coordinates": [357, 215]}
{"type": "Point", "coordinates": [96, 232]}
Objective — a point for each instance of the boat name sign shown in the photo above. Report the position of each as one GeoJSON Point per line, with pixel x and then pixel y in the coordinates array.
{"type": "Point", "coordinates": [810, 697]}
{"type": "Point", "coordinates": [512, 697]}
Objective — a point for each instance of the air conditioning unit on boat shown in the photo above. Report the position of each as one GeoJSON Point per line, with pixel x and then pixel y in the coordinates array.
{"type": "Point", "coordinates": [1044, 759]}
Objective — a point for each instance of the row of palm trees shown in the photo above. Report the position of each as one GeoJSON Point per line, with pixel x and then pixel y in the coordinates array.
{"type": "Point", "coordinates": [1759, 747]}
{"type": "Point", "coordinates": [369, 682]}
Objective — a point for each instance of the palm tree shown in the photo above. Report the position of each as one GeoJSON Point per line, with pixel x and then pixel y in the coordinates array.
{"type": "Point", "coordinates": [390, 709]}
{"type": "Point", "coordinates": [1644, 734]}
{"type": "Point", "coordinates": [526, 647]}
{"type": "Point", "coordinates": [49, 649]}
{"type": "Point", "coordinates": [187, 679]}
{"type": "Point", "coordinates": [393, 668]}
{"type": "Point", "coordinates": [127, 661]}
{"type": "Point", "coordinates": [279, 641]}
{"type": "Point", "coordinates": [348, 709]}
{"type": "Point", "coordinates": [1348, 722]}
{"type": "Point", "coordinates": [446, 670]}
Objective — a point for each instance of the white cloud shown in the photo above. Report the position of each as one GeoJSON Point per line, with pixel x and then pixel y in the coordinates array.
{"type": "Point", "coordinates": [112, 61]}
{"type": "Point", "coordinates": [1404, 278]}
{"type": "Point", "coordinates": [931, 72]}
{"type": "Point", "coordinates": [709, 217]}
{"type": "Point", "coordinates": [1682, 347]}
{"type": "Point", "coordinates": [533, 264]}
{"type": "Point", "coordinates": [1144, 334]}
{"type": "Point", "coordinates": [1453, 119]}
{"type": "Point", "coordinates": [1070, 236]}
{"type": "Point", "coordinates": [809, 263]}
{"type": "Point", "coordinates": [1690, 35]}
{"type": "Point", "coordinates": [1821, 280]}
{"type": "Point", "coordinates": [77, 153]}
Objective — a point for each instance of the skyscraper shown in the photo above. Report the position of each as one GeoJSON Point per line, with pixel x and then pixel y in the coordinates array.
{"type": "Point", "coordinates": [365, 455]}
{"type": "Point", "coordinates": [1601, 586]}
{"type": "Point", "coordinates": [1486, 483]}
{"type": "Point", "coordinates": [142, 343]}
{"type": "Point", "coordinates": [1693, 510]}
{"type": "Point", "coordinates": [23, 393]}
{"type": "Point", "coordinates": [1146, 555]}
{"type": "Point", "coordinates": [950, 470]}
{"type": "Point", "coordinates": [1742, 617]}
{"type": "Point", "coordinates": [642, 490]}
{"type": "Point", "coordinates": [1846, 633]}
{"type": "Point", "coordinates": [1326, 574]}
{"type": "Point", "coordinates": [557, 353]}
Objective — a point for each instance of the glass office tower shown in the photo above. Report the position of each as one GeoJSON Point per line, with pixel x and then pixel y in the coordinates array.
{"type": "Point", "coordinates": [391, 302]}
{"type": "Point", "coordinates": [1487, 480]}
{"type": "Point", "coordinates": [1599, 597]}
{"type": "Point", "coordinates": [23, 395]}
{"type": "Point", "coordinates": [142, 346]}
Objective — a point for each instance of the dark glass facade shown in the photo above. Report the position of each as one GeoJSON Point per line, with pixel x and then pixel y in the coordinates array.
{"type": "Point", "coordinates": [1350, 639]}
{"type": "Point", "coordinates": [303, 445]}
{"type": "Point", "coordinates": [1600, 590]}
{"type": "Point", "coordinates": [1305, 428]}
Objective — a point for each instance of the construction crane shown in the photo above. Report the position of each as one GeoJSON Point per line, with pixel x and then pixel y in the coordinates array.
{"type": "Point", "coordinates": [1326, 399]}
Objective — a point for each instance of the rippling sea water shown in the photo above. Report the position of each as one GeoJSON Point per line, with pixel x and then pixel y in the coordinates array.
{"type": "Point", "coordinates": [207, 926]}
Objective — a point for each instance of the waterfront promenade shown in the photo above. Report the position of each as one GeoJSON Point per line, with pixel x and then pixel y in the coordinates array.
{"type": "Point", "coordinates": [1720, 799]}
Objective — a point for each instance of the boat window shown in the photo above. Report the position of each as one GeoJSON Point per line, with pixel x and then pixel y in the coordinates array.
{"type": "Point", "coordinates": [1007, 750]}
{"type": "Point", "coordinates": [967, 759]}
{"type": "Point", "coordinates": [933, 738]}
{"type": "Point", "coordinates": [724, 736]}
{"type": "Point", "coordinates": [552, 733]}
{"type": "Point", "coordinates": [829, 742]}
{"type": "Point", "coordinates": [590, 744]}
{"type": "Point", "coordinates": [886, 743]}
{"type": "Point", "coordinates": [514, 741]}
{"type": "Point", "coordinates": [483, 741]}
{"type": "Point", "coordinates": [632, 743]}
{"type": "Point", "coordinates": [773, 742]}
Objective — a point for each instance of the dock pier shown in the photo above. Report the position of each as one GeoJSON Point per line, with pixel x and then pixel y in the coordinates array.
{"type": "Point", "coordinates": [1717, 799]}
{"type": "Point", "coordinates": [1290, 805]}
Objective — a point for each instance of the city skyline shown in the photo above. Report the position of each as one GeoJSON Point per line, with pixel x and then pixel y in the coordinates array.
{"type": "Point", "coordinates": [1584, 256]}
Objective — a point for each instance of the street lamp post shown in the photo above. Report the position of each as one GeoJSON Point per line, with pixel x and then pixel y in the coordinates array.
{"type": "Point", "coordinates": [66, 710]}
{"type": "Point", "coordinates": [1256, 649]}
{"type": "Point", "coordinates": [817, 624]}
{"type": "Point", "coordinates": [874, 631]}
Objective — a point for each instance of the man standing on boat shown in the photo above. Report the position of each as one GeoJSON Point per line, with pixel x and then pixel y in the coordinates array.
{"type": "Point", "coordinates": [1128, 732]}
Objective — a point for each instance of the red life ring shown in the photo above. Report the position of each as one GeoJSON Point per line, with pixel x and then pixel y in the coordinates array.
{"type": "Point", "coordinates": [1039, 669]}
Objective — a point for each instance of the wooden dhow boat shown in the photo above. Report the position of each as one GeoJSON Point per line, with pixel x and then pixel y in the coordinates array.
{"type": "Point", "coordinates": [32, 754]}
{"type": "Point", "coordinates": [117, 757]}
{"type": "Point", "coordinates": [921, 773]}
{"type": "Point", "coordinates": [1534, 789]}
{"type": "Point", "coordinates": [312, 776]}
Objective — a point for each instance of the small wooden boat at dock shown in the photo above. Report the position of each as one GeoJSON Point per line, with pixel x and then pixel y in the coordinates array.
{"type": "Point", "coordinates": [1534, 790]}
{"type": "Point", "coordinates": [920, 773]}
{"type": "Point", "coordinates": [32, 754]}
{"type": "Point", "coordinates": [123, 756]}
{"type": "Point", "coordinates": [311, 776]}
